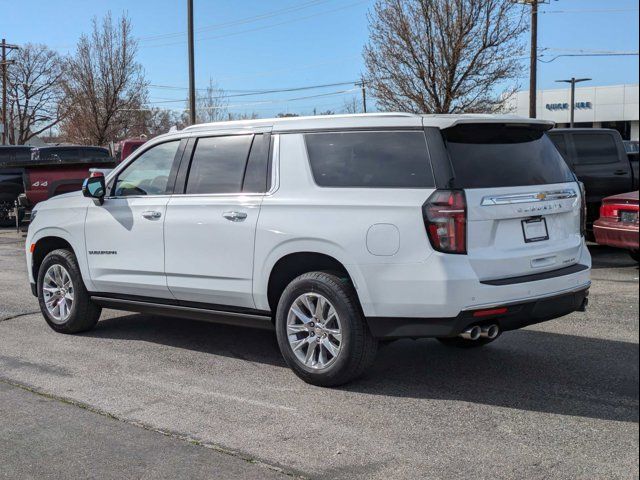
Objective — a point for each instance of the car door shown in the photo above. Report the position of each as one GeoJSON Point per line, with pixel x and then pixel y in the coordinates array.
{"type": "Point", "coordinates": [125, 235]}
{"type": "Point", "coordinates": [210, 226]}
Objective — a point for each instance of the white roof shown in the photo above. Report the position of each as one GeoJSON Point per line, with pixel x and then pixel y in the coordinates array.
{"type": "Point", "coordinates": [364, 120]}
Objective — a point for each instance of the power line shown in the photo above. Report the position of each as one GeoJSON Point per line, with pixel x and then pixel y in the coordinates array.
{"type": "Point", "coordinates": [621, 10]}
{"type": "Point", "coordinates": [279, 90]}
{"type": "Point", "coordinates": [241, 21]}
{"type": "Point", "coordinates": [263, 102]}
{"type": "Point", "coordinates": [589, 55]}
{"type": "Point", "coordinates": [263, 27]}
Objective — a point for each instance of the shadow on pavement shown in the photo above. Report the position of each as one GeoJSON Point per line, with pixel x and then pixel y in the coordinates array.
{"type": "Point", "coordinates": [236, 342]}
{"type": "Point", "coordinates": [525, 370]}
{"type": "Point", "coordinates": [609, 257]}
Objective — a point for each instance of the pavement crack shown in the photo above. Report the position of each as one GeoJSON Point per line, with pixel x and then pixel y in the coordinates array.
{"type": "Point", "coordinates": [13, 317]}
{"type": "Point", "coordinates": [167, 433]}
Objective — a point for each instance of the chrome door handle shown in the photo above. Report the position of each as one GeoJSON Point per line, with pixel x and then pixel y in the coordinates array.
{"type": "Point", "coordinates": [235, 216]}
{"type": "Point", "coordinates": [151, 214]}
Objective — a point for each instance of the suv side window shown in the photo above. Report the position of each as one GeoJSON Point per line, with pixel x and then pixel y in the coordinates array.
{"type": "Point", "coordinates": [218, 164]}
{"type": "Point", "coordinates": [595, 148]}
{"type": "Point", "coordinates": [149, 173]}
{"type": "Point", "coordinates": [375, 159]}
{"type": "Point", "coordinates": [256, 175]}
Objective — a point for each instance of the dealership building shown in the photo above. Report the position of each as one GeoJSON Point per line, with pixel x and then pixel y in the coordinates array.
{"type": "Point", "coordinates": [614, 106]}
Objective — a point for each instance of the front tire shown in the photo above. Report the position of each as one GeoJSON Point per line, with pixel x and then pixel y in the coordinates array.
{"type": "Point", "coordinates": [635, 254]}
{"type": "Point", "coordinates": [64, 300]}
{"type": "Point", "coordinates": [321, 331]}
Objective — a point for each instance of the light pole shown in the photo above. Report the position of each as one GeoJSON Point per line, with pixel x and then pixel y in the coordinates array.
{"type": "Point", "coordinates": [573, 82]}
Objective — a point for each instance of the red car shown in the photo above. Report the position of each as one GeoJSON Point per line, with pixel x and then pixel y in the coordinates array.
{"type": "Point", "coordinates": [618, 223]}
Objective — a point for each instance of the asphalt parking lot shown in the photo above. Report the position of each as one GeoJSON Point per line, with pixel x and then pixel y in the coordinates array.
{"type": "Point", "coordinates": [152, 397]}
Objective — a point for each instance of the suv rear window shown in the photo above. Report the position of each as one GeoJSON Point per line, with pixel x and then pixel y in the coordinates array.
{"type": "Point", "coordinates": [389, 159]}
{"type": "Point", "coordinates": [503, 155]}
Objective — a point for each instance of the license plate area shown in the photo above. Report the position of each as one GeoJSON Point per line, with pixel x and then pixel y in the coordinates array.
{"type": "Point", "coordinates": [628, 217]}
{"type": "Point", "coordinates": [535, 229]}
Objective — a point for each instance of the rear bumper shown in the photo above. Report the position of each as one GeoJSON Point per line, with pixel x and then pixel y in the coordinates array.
{"type": "Point", "coordinates": [616, 234]}
{"type": "Point", "coordinates": [519, 315]}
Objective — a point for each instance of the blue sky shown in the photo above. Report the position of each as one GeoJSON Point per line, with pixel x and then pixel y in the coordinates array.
{"type": "Point", "coordinates": [297, 43]}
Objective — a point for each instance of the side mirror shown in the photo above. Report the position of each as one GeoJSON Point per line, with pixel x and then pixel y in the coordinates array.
{"type": "Point", "coordinates": [94, 187]}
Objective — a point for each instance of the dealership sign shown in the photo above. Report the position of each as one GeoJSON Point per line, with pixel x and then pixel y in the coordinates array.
{"type": "Point", "coordinates": [565, 106]}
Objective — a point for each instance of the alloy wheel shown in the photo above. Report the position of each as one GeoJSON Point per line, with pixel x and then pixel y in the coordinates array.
{"type": "Point", "coordinates": [314, 331]}
{"type": "Point", "coordinates": [57, 291]}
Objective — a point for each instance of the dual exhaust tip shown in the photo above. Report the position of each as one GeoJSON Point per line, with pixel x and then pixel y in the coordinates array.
{"type": "Point", "coordinates": [477, 332]}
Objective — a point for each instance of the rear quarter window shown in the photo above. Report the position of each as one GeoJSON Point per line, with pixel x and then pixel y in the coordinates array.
{"type": "Point", "coordinates": [503, 155]}
{"type": "Point", "coordinates": [375, 159]}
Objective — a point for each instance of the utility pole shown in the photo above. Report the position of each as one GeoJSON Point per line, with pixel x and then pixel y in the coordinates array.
{"type": "Point", "coordinates": [533, 61]}
{"type": "Point", "coordinates": [361, 84]}
{"type": "Point", "coordinates": [573, 82]}
{"type": "Point", "coordinates": [5, 63]}
{"type": "Point", "coordinates": [192, 81]}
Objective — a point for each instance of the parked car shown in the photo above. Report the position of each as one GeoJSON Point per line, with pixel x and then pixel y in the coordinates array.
{"type": "Point", "coordinates": [618, 223]}
{"type": "Point", "coordinates": [11, 183]}
{"type": "Point", "coordinates": [49, 171]}
{"type": "Point", "coordinates": [599, 160]}
{"type": "Point", "coordinates": [336, 231]}
{"type": "Point", "coordinates": [631, 146]}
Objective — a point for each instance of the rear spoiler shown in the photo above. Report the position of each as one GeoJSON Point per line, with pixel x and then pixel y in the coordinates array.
{"type": "Point", "coordinates": [448, 121]}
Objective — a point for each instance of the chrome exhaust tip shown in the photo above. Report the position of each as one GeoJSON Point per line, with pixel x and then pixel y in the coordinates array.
{"type": "Point", "coordinates": [490, 331]}
{"type": "Point", "coordinates": [471, 333]}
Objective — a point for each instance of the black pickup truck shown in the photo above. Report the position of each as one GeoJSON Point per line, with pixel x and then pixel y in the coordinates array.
{"type": "Point", "coordinates": [11, 179]}
{"type": "Point", "coordinates": [598, 158]}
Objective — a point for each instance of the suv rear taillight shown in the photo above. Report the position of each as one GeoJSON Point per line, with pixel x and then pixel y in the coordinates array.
{"type": "Point", "coordinates": [445, 217]}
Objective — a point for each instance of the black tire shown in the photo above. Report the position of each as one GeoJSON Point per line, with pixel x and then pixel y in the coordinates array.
{"type": "Point", "coordinates": [357, 347]}
{"type": "Point", "coordinates": [459, 342]}
{"type": "Point", "coordinates": [635, 254]}
{"type": "Point", "coordinates": [84, 314]}
{"type": "Point", "coordinates": [7, 204]}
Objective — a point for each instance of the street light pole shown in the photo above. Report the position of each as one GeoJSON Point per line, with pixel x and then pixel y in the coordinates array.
{"type": "Point", "coordinates": [192, 81]}
{"type": "Point", "coordinates": [573, 82]}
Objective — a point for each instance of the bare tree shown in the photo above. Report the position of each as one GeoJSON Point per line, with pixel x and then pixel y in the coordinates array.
{"type": "Point", "coordinates": [443, 56]}
{"type": "Point", "coordinates": [105, 87]}
{"type": "Point", "coordinates": [212, 104]}
{"type": "Point", "coordinates": [352, 105]}
{"type": "Point", "coordinates": [152, 122]}
{"type": "Point", "coordinates": [243, 116]}
{"type": "Point", "coordinates": [35, 91]}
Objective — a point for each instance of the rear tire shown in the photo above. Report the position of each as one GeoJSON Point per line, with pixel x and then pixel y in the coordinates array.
{"type": "Point", "coordinates": [635, 254]}
{"type": "Point", "coordinates": [64, 300]}
{"type": "Point", "coordinates": [321, 331]}
{"type": "Point", "coordinates": [459, 342]}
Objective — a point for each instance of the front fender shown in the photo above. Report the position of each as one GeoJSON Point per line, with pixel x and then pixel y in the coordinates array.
{"type": "Point", "coordinates": [72, 233]}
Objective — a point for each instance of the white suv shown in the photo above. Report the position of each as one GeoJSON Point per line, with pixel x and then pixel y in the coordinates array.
{"type": "Point", "coordinates": [336, 231]}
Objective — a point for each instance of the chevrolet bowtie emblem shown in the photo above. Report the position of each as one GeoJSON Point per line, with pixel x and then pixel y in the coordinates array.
{"type": "Point", "coordinates": [541, 196]}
